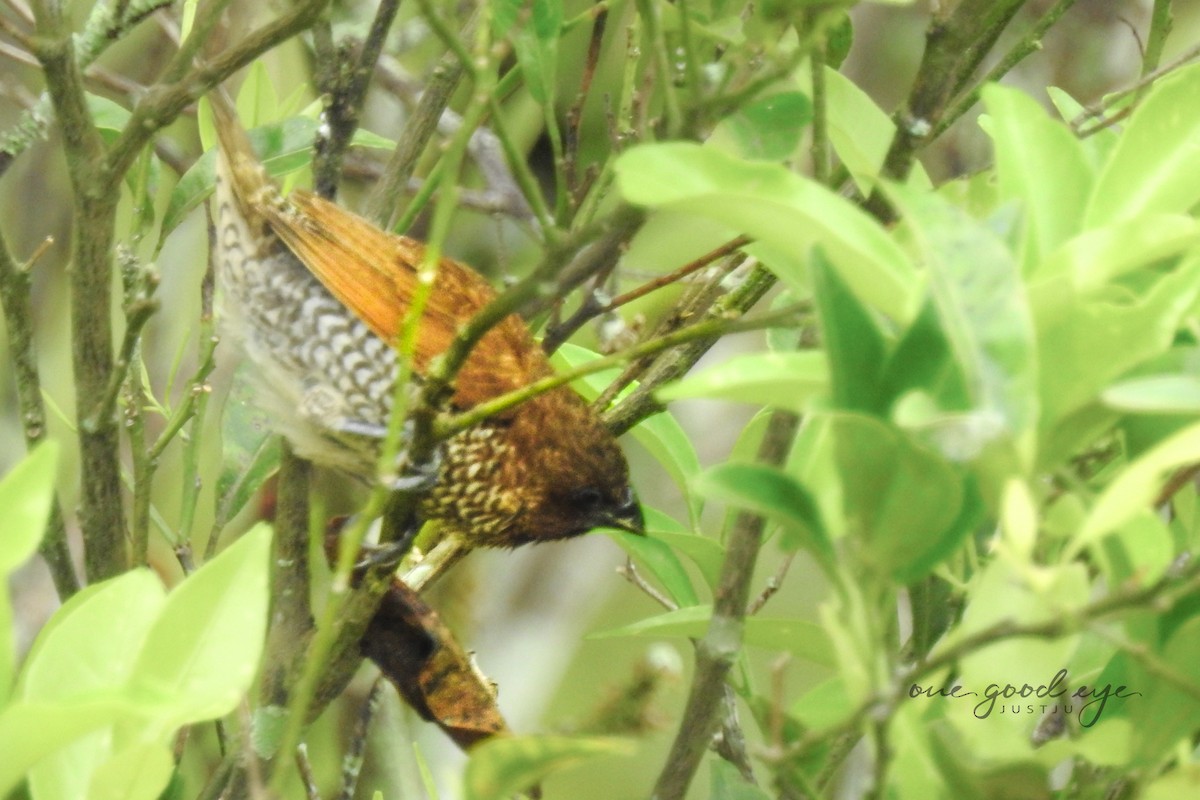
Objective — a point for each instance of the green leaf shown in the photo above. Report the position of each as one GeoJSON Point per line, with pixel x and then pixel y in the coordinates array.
{"type": "Point", "coordinates": [983, 309]}
{"type": "Point", "coordinates": [139, 772]}
{"type": "Point", "coordinates": [1040, 163]}
{"type": "Point", "coordinates": [201, 655]}
{"type": "Point", "coordinates": [1166, 714]}
{"type": "Point", "coordinates": [1094, 258]}
{"type": "Point", "coordinates": [250, 452]}
{"type": "Point", "coordinates": [1154, 166]}
{"type": "Point", "coordinates": [789, 634]}
{"type": "Point", "coordinates": [660, 561]}
{"type": "Point", "coordinates": [782, 380]}
{"type": "Point", "coordinates": [26, 494]}
{"type": "Point", "coordinates": [861, 132]}
{"type": "Point", "coordinates": [1155, 394]}
{"type": "Point", "coordinates": [728, 784]}
{"type": "Point", "coordinates": [505, 765]}
{"type": "Point", "coordinates": [31, 730]}
{"type": "Point", "coordinates": [702, 551]}
{"type": "Point", "coordinates": [770, 127]}
{"type": "Point", "coordinates": [1135, 487]}
{"type": "Point", "coordinates": [774, 494]}
{"type": "Point", "coordinates": [1087, 341]}
{"type": "Point", "coordinates": [87, 653]}
{"type": "Point", "coordinates": [92, 643]}
{"type": "Point", "coordinates": [908, 505]}
{"type": "Point", "coordinates": [853, 341]}
{"type": "Point", "coordinates": [779, 208]}
{"type": "Point", "coordinates": [922, 361]}
{"type": "Point", "coordinates": [536, 47]}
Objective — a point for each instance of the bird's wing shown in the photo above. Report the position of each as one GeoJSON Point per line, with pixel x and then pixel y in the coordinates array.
{"type": "Point", "coordinates": [374, 274]}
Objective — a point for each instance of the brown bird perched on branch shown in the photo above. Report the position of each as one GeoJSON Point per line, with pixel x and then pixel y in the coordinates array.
{"type": "Point", "coordinates": [315, 296]}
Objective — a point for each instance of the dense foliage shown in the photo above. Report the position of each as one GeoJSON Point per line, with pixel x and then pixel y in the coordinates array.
{"type": "Point", "coordinates": [973, 432]}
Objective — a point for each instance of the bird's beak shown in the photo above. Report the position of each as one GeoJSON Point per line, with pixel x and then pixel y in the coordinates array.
{"type": "Point", "coordinates": [627, 516]}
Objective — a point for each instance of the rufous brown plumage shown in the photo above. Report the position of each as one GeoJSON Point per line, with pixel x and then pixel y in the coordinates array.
{"type": "Point", "coordinates": [314, 296]}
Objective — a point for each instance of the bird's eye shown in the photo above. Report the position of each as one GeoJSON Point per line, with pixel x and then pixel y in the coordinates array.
{"type": "Point", "coordinates": [587, 498]}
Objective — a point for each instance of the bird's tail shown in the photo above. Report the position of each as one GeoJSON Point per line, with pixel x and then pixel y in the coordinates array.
{"type": "Point", "coordinates": [239, 172]}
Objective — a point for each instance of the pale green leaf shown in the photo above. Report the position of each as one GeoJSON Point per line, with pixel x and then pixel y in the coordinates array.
{"type": "Point", "coordinates": [1155, 394]}
{"type": "Point", "coordinates": [780, 208]}
{"type": "Point", "coordinates": [1040, 163]}
{"type": "Point", "coordinates": [861, 132]}
{"type": "Point", "coordinates": [789, 634]}
{"type": "Point", "coordinates": [504, 765]}
{"type": "Point", "coordinates": [1135, 487]}
{"type": "Point", "coordinates": [982, 305]}
{"type": "Point", "coordinates": [1154, 167]}
{"type": "Point", "coordinates": [26, 494]}
{"type": "Point", "coordinates": [202, 653]}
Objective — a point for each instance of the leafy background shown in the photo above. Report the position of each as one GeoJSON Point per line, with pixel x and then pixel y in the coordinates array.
{"type": "Point", "coordinates": [1004, 386]}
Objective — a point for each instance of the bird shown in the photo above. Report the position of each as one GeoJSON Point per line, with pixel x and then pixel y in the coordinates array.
{"type": "Point", "coordinates": [314, 296]}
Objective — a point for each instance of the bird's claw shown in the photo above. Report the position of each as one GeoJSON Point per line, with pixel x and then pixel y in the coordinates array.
{"type": "Point", "coordinates": [415, 477]}
{"type": "Point", "coordinates": [387, 555]}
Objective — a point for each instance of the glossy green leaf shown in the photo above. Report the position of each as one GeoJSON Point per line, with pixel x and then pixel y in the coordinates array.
{"type": "Point", "coordinates": [853, 340]}
{"type": "Point", "coordinates": [1165, 713]}
{"type": "Point", "coordinates": [1094, 258]}
{"type": "Point", "coordinates": [502, 766]}
{"type": "Point", "coordinates": [923, 361]}
{"type": "Point", "coordinates": [1086, 342]}
{"type": "Point", "coordinates": [26, 494]}
{"type": "Point", "coordinates": [87, 653]}
{"type": "Point", "coordinates": [30, 730]}
{"type": "Point", "coordinates": [909, 506]}
{"type": "Point", "coordinates": [139, 772]}
{"type": "Point", "coordinates": [1040, 163]}
{"type": "Point", "coordinates": [1153, 167]}
{"type": "Point", "coordinates": [774, 494]}
{"type": "Point", "coordinates": [983, 309]}
{"type": "Point", "coordinates": [93, 641]}
{"type": "Point", "coordinates": [702, 551]}
{"type": "Point", "coordinates": [1155, 394]}
{"type": "Point", "coordinates": [770, 127]}
{"type": "Point", "coordinates": [861, 132]}
{"type": "Point", "coordinates": [782, 380]}
{"type": "Point", "coordinates": [202, 653]}
{"type": "Point", "coordinates": [780, 208]}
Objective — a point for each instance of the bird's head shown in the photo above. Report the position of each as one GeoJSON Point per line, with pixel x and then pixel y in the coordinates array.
{"type": "Point", "coordinates": [548, 471]}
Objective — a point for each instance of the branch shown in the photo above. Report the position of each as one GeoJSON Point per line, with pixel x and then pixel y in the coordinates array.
{"type": "Point", "coordinates": [18, 317]}
{"type": "Point", "coordinates": [709, 329]}
{"type": "Point", "coordinates": [102, 516]}
{"type": "Point", "coordinates": [954, 49]}
{"type": "Point", "coordinates": [164, 102]}
{"type": "Point", "coordinates": [719, 648]}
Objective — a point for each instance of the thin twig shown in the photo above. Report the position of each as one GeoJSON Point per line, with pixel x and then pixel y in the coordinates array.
{"type": "Point", "coordinates": [16, 302]}
{"type": "Point", "coordinates": [352, 762]}
{"type": "Point", "coordinates": [773, 585]}
{"type": "Point", "coordinates": [629, 572]}
{"type": "Point", "coordinates": [590, 309]}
